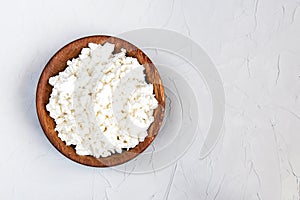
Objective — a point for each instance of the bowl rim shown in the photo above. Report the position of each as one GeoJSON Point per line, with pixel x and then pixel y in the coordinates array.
{"type": "Point", "coordinates": [45, 119]}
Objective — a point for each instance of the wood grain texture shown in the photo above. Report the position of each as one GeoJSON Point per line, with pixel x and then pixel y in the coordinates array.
{"type": "Point", "coordinates": [58, 63]}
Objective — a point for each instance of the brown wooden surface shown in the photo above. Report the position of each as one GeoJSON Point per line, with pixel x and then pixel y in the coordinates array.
{"type": "Point", "coordinates": [58, 63]}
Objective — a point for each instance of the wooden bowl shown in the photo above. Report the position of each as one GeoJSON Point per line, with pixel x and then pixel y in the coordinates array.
{"type": "Point", "coordinates": [58, 63]}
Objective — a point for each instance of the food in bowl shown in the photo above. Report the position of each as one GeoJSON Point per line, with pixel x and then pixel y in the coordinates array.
{"type": "Point", "coordinates": [101, 102]}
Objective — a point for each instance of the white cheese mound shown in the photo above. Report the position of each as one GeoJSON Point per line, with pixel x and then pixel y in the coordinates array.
{"type": "Point", "coordinates": [101, 102]}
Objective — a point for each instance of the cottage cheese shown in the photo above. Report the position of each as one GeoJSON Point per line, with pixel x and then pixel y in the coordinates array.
{"type": "Point", "coordinates": [101, 102]}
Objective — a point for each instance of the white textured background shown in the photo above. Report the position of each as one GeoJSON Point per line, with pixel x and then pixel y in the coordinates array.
{"type": "Point", "coordinates": [255, 45]}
